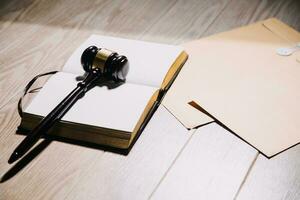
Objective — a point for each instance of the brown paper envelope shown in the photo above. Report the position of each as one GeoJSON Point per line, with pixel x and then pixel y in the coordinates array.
{"type": "Point", "coordinates": [184, 86]}
{"type": "Point", "coordinates": [177, 98]}
{"type": "Point", "coordinates": [240, 80]}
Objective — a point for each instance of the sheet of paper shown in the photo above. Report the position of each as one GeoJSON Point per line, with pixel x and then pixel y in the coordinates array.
{"type": "Point", "coordinates": [240, 80]}
{"type": "Point", "coordinates": [149, 62]}
{"type": "Point", "coordinates": [119, 108]}
{"type": "Point", "coordinates": [177, 98]}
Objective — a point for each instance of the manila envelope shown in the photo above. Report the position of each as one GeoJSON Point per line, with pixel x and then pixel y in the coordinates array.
{"type": "Point", "coordinates": [237, 79]}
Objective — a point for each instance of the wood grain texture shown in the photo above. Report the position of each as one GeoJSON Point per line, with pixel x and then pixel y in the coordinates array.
{"type": "Point", "coordinates": [68, 171]}
{"type": "Point", "coordinates": [11, 10]}
{"type": "Point", "coordinates": [276, 178]}
{"type": "Point", "coordinates": [212, 166]}
{"type": "Point", "coordinates": [134, 176]}
{"type": "Point", "coordinates": [240, 13]}
{"type": "Point", "coordinates": [185, 21]}
{"type": "Point", "coordinates": [39, 35]}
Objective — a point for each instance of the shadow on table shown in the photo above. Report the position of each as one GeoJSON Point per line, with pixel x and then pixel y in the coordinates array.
{"type": "Point", "coordinates": [25, 160]}
{"type": "Point", "coordinates": [119, 18]}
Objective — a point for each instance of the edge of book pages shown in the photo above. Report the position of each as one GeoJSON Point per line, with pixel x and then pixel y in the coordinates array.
{"type": "Point", "coordinates": [105, 136]}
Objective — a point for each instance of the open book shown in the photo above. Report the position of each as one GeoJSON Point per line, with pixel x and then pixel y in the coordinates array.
{"type": "Point", "coordinates": [111, 117]}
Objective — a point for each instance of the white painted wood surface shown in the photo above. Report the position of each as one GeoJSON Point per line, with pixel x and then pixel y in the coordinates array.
{"type": "Point", "coordinates": [136, 175]}
{"type": "Point", "coordinates": [276, 178]}
{"type": "Point", "coordinates": [213, 165]}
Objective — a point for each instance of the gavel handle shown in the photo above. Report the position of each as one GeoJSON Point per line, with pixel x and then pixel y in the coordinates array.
{"type": "Point", "coordinates": [56, 114]}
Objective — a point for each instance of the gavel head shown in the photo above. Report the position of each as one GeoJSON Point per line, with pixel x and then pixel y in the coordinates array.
{"type": "Point", "coordinates": [111, 65]}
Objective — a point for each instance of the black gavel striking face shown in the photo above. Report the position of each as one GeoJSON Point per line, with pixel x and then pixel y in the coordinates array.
{"type": "Point", "coordinates": [109, 64]}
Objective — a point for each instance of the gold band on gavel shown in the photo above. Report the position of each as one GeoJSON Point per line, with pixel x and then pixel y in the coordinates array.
{"type": "Point", "coordinates": [100, 59]}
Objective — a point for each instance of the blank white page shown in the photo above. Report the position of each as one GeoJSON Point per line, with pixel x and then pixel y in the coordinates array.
{"type": "Point", "coordinates": [148, 62]}
{"type": "Point", "coordinates": [118, 108]}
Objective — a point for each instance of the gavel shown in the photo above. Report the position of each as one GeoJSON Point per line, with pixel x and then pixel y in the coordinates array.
{"type": "Point", "coordinates": [97, 63]}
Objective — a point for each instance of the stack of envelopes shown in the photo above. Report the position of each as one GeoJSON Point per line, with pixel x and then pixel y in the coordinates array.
{"type": "Point", "coordinates": [248, 80]}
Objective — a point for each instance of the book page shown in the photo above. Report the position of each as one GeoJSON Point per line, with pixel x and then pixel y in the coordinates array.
{"type": "Point", "coordinates": [148, 62]}
{"type": "Point", "coordinates": [119, 108]}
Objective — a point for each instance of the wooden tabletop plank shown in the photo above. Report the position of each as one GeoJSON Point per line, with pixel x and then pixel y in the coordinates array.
{"type": "Point", "coordinates": [240, 13]}
{"type": "Point", "coordinates": [114, 176]}
{"type": "Point", "coordinates": [186, 21]}
{"type": "Point", "coordinates": [212, 166]}
{"type": "Point", "coordinates": [275, 178]}
{"type": "Point", "coordinates": [11, 10]}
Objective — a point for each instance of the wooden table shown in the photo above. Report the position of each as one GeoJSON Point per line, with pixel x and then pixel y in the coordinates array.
{"type": "Point", "coordinates": [167, 162]}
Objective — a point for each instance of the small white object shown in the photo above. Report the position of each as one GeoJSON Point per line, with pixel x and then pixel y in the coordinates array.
{"type": "Point", "coordinates": [287, 51]}
{"type": "Point", "coordinates": [284, 51]}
